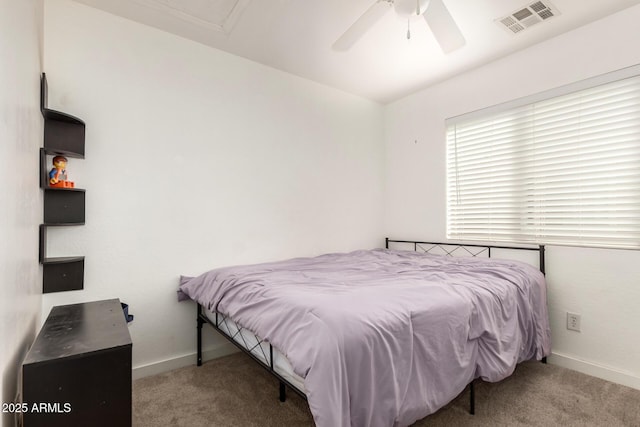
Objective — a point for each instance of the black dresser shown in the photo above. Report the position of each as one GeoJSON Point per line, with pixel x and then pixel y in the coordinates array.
{"type": "Point", "coordinates": [78, 371]}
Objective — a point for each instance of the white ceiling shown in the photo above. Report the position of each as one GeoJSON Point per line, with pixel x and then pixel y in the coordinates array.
{"type": "Point", "coordinates": [296, 36]}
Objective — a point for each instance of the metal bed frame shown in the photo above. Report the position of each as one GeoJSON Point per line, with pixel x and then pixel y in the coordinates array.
{"type": "Point", "coordinates": [442, 248]}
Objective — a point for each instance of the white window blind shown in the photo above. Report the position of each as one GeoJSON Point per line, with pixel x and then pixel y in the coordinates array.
{"type": "Point", "coordinates": [560, 170]}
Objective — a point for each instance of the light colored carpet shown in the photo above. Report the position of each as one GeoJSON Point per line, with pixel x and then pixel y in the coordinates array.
{"type": "Point", "coordinates": [235, 391]}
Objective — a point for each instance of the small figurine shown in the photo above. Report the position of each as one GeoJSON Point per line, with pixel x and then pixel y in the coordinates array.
{"type": "Point", "coordinates": [58, 174]}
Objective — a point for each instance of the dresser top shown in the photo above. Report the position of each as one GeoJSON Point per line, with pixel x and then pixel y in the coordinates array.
{"type": "Point", "coordinates": [76, 329]}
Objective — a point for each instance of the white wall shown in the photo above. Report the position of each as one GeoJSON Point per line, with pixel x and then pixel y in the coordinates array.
{"type": "Point", "coordinates": [601, 285]}
{"type": "Point", "coordinates": [196, 159]}
{"type": "Point", "coordinates": [21, 201]}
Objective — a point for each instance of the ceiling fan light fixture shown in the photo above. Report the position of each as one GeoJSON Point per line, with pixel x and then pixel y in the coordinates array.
{"type": "Point", "coordinates": [407, 8]}
{"type": "Point", "coordinates": [435, 13]}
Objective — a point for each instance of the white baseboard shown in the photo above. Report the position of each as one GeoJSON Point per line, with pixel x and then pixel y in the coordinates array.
{"type": "Point", "coordinates": [220, 350]}
{"type": "Point", "coordinates": [595, 370]}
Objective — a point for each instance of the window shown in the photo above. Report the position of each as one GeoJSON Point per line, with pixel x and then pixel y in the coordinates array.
{"type": "Point", "coordinates": [562, 167]}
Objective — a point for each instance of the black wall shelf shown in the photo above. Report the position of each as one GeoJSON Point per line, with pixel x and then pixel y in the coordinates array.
{"type": "Point", "coordinates": [64, 135]}
{"type": "Point", "coordinates": [64, 207]}
{"type": "Point", "coordinates": [63, 274]}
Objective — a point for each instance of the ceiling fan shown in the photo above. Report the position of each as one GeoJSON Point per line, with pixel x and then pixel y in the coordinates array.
{"type": "Point", "coordinates": [438, 18]}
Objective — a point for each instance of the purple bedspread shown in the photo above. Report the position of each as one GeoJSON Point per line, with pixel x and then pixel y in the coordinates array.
{"type": "Point", "coordinates": [381, 337]}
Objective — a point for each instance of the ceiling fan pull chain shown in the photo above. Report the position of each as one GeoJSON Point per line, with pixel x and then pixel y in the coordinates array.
{"type": "Point", "coordinates": [408, 29]}
{"type": "Point", "coordinates": [418, 7]}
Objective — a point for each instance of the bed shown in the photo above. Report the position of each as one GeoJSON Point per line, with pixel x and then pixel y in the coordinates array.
{"type": "Point", "coordinates": [381, 337]}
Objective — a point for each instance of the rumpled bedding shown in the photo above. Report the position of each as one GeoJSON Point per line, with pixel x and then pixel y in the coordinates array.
{"type": "Point", "coordinates": [384, 337]}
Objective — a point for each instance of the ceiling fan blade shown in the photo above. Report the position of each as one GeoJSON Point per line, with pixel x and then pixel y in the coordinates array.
{"type": "Point", "coordinates": [443, 27]}
{"type": "Point", "coordinates": [362, 25]}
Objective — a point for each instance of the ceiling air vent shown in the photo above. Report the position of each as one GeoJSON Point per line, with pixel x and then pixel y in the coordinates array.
{"type": "Point", "coordinates": [527, 16]}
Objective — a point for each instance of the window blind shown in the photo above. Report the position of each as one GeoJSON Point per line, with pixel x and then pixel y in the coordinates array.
{"type": "Point", "coordinates": [564, 169]}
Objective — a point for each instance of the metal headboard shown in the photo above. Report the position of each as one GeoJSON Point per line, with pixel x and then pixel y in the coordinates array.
{"type": "Point", "coordinates": [470, 249]}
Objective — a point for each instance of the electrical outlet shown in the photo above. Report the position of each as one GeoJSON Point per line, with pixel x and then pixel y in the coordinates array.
{"type": "Point", "coordinates": [573, 322]}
